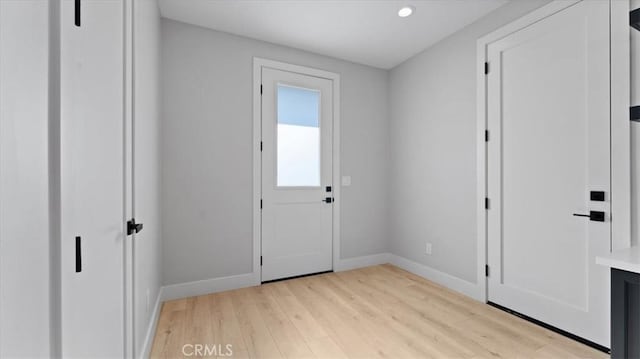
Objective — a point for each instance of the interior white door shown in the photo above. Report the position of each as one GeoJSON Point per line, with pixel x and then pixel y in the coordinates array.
{"type": "Point", "coordinates": [92, 179]}
{"type": "Point", "coordinates": [548, 117]}
{"type": "Point", "coordinates": [297, 200]}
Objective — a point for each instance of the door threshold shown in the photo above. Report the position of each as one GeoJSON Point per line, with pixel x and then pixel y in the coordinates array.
{"type": "Point", "coordinates": [581, 340]}
{"type": "Point", "coordinates": [296, 276]}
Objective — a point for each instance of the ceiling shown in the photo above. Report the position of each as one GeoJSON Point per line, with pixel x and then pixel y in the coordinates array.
{"type": "Point", "coordinates": [368, 32]}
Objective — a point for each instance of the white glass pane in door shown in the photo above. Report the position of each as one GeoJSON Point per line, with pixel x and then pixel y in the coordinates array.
{"type": "Point", "coordinates": [298, 137]}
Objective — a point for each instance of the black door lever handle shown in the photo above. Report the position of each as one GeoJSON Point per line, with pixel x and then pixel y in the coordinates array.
{"type": "Point", "coordinates": [596, 216]}
{"type": "Point", "coordinates": [133, 227]}
{"type": "Point", "coordinates": [328, 199]}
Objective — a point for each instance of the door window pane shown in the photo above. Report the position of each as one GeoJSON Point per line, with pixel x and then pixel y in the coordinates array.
{"type": "Point", "coordinates": [298, 139]}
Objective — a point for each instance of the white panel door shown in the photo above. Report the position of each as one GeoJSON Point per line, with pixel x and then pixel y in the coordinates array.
{"type": "Point", "coordinates": [25, 251]}
{"type": "Point", "coordinates": [548, 111]}
{"type": "Point", "coordinates": [92, 180]}
{"type": "Point", "coordinates": [297, 195]}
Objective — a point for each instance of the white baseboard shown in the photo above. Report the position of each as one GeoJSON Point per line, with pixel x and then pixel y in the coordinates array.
{"type": "Point", "coordinates": [360, 262]}
{"type": "Point", "coordinates": [208, 286]}
{"type": "Point", "coordinates": [151, 331]}
{"type": "Point", "coordinates": [454, 283]}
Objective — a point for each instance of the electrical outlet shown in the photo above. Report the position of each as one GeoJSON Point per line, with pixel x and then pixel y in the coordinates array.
{"type": "Point", "coordinates": [428, 248]}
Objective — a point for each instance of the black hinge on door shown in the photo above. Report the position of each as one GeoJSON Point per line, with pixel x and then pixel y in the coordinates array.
{"type": "Point", "coordinates": [78, 255]}
{"type": "Point", "coordinates": [486, 270]}
{"type": "Point", "coordinates": [486, 203]}
{"type": "Point", "coordinates": [486, 135]}
{"type": "Point", "coordinates": [260, 146]}
{"type": "Point", "coordinates": [77, 13]}
{"type": "Point", "coordinates": [486, 68]}
{"type": "Point", "coordinates": [260, 260]}
{"type": "Point", "coordinates": [261, 89]}
{"type": "Point", "coordinates": [260, 204]}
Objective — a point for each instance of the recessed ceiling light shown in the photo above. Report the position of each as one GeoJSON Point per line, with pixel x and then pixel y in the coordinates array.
{"type": "Point", "coordinates": [406, 11]}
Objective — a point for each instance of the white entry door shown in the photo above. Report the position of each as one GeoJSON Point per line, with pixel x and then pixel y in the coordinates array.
{"type": "Point", "coordinates": [297, 200]}
{"type": "Point", "coordinates": [549, 148]}
{"type": "Point", "coordinates": [92, 179]}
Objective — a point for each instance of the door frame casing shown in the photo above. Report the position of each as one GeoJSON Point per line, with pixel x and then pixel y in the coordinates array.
{"type": "Point", "coordinates": [129, 105]}
{"type": "Point", "coordinates": [258, 64]}
{"type": "Point", "coordinates": [620, 73]}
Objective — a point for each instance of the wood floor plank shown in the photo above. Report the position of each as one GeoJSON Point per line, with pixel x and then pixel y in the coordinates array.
{"type": "Point", "coordinates": [197, 326]}
{"type": "Point", "coordinates": [422, 320]}
{"type": "Point", "coordinates": [169, 334]}
{"type": "Point", "coordinates": [418, 318]}
{"type": "Point", "coordinates": [326, 348]}
{"type": "Point", "coordinates": [295, 311]}
{"type": "Point", "coordinates": [370, 320]}
{"type": "Point", "coordinates": [337, 324]}
{"type": "Point", "coordinates": [375, 312]}
{"type": "Point", "coordinates": [256, 335]}
{"type": "Point", "coordinates": [287, 337]}
{"type": "Point", "coordinates": [225, 324]}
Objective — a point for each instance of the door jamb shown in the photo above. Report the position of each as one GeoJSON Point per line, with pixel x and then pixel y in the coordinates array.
{"type": "Point", "coordinates": [620, 127]}
{"type": "Point", "coordinates": [128, 8]}
{"type": "Point", "coordinates": [258, 64]}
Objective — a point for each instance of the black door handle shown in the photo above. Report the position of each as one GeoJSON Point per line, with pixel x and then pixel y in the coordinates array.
{"type": "Point", "coordinates": [328, 200]}
{"type": "Point", "coordinates": [133, 227]}
{"type": "Point", "coordinates": [596, 216]}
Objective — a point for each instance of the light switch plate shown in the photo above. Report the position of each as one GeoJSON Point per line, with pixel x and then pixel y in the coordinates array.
{"type": "Point", "coordinates": [346, 181]}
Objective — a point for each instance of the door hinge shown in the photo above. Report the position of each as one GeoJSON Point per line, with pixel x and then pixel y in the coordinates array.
{"type": "Point", "coordinates": [260, 260]}
{"type": "Point", "coordinates": [486, 270]}
{"type": "Point", "coordinates": [260, 204]}
{"type": "Point", "coordinates": [78, 254]}
{"type": "Point", "coordinates": [260, 146]}
{"type": "Point", "coordinates": [486, 135]}
{"type": "Point", "coordinates": [77, 15]}
{"type": "Point", "coordinates": [261, 89]}
{"type": "Point", "coordinates": [486, 203]}
{"type": "Point", "coordinates": [486, 68]}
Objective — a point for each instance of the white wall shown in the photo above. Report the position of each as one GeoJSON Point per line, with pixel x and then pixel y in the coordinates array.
{"type": "Point", "coordinates": [207, 151]}
{"type": "Point", "coordinates": [148, 243]}
{"type": "Point", "coordinates": [433, 148]}
{"type": "Point", "coordinates": [24, 203]}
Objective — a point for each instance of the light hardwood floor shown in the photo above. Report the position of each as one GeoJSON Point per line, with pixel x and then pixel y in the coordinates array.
{"type": "Point", "coordinates": [374, 312]}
